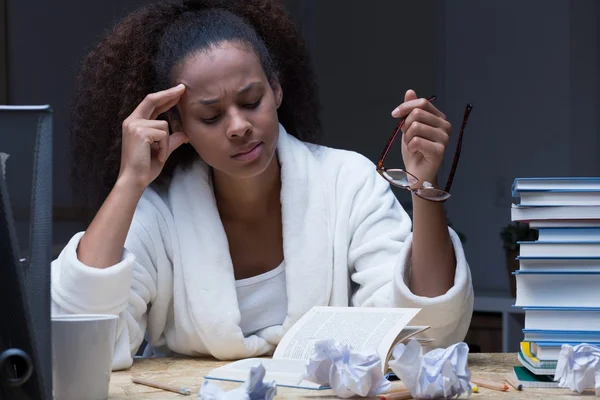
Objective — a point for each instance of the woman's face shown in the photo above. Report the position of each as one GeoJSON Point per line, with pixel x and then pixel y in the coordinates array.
{"type": "Point", "coordinates": [229, 109]}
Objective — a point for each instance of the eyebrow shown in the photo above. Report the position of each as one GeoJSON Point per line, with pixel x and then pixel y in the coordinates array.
{"type": "Point", "coordinates": [245, 89]}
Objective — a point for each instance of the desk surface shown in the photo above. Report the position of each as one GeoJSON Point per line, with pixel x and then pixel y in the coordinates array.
{"type": "Point", "coordinates": [189, 373]}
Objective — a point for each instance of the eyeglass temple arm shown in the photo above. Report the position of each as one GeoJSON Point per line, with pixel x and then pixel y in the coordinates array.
{"type": "Point", "coordinates": [458, 148]}
{"type": "Point", "coordinates": [397, 129]}
{"type": "Point", "coordinates": [388, 145]}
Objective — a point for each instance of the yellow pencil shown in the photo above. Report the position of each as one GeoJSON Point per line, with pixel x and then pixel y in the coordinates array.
{"type": "Point", "coordinates": [399, 395]}
{"type": "Point", "coordinates": [171, 388]}
{"type": "Point", "coordinates": [490, 384]}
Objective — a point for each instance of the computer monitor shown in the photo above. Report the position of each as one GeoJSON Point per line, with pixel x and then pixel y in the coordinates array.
{"type": "Point", "coordinates": [25, 327]}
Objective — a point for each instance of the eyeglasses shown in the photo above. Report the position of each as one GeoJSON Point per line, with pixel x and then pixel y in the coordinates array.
{"type": "Point", "coordinates": [405, 180]}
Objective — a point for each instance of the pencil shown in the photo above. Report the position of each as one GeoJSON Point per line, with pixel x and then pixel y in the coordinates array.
{"type": "Point", "coordinates": [490, 384]}
{"type": "Point", "coordinates": [399, 395]}
{"type": "Point", "coordinates": [171, 388]}
{"type": "Point", "coordinates": [513, 382]}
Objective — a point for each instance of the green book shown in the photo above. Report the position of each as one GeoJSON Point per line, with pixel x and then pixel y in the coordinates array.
{"type": "Point", "coordinates": [537, 368]}
{"type": "Point", "coordinates": [530, 380]}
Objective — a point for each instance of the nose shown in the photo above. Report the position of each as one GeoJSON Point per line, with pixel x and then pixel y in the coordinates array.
{"type": "Point", "coordinates": [239, 125]}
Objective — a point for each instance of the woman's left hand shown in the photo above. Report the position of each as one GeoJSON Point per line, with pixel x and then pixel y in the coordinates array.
{"type": "Point", "coordinates": [425, 137]}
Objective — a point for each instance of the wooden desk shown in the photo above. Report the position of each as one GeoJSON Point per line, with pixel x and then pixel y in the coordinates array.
{"type": "Point", "coordinates": [189, 372]}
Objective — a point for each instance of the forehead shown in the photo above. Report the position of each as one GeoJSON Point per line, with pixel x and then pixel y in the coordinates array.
{"type": "Point", "coordinates": [226, 65]}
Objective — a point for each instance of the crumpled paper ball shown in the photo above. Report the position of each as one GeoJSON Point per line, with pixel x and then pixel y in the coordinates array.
{"type": "Point", "coordinates": [252, 389]}
{"type": "Point", "coordinates": [578, 367]}
{"type": "Point", "coordinates": [440, 373]}
{"type": "Point", "coordinates": [349, 373]}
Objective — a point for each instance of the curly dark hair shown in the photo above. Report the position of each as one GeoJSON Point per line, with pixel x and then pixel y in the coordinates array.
{"type": "Point", "coordinates": [137, 57]}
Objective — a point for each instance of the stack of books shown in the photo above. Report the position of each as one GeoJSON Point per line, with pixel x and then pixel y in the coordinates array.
{"type": "Point", "coordinates": [558, 280]}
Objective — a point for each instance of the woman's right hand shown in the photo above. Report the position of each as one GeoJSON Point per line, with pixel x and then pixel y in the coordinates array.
{"type": "Point", "coordinates": [146, 141]}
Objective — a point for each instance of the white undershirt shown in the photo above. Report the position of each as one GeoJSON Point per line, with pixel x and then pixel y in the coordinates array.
{"type": "Point", "coordinates": [262, 300]}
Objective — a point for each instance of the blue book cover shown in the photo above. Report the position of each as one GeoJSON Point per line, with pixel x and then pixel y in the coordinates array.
{"type": "Point", "coordinates": [555, 183]}
{"type": "Point", "coordinates": [534, 335]}
{"type": "Point", "coordinates": [560, 332]}
{"type": "Point", "coordinates": [559, 344]}
{"type": "Point", "coordinates": [555, 272]}
{"type": "Point", "coordinates": [550, 308]}
{"type": "Point", "coordinates": [561, 258]}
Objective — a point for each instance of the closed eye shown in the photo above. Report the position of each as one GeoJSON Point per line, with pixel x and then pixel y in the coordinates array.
{"type": "Point", "coordinates": [216, 118]}
{"type": "Point", "coordinates": [253, 105]}
{"type": "Point", "coordinates": [212, 120]}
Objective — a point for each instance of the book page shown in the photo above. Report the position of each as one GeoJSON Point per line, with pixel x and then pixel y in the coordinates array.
{"type": "Point", "coordinates": [285, 372]}
{"type": "Point", "coordinates": [366, 329]}
{"type": "Point", "coordinates": [406, 334]}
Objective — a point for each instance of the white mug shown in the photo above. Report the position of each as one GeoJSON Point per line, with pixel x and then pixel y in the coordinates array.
{"type": "Point", "coordinates": [82, 354]}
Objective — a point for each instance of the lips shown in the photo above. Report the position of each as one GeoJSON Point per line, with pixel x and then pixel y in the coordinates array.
{"type": "Point", "coordinates": [246, 149]}
{"type": "Point", "coordinates": [250, 153]}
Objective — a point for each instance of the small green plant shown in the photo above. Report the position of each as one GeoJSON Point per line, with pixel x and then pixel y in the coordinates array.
{"type": "Point", "coordinates": [514, 232]}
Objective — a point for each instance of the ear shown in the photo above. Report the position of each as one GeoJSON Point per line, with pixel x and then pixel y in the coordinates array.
{"type": "Point", "coordinates": [277, 91]}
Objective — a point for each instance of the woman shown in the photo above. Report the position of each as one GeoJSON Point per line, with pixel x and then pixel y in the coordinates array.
{"type": "Point", "coordinates": [220, 222]}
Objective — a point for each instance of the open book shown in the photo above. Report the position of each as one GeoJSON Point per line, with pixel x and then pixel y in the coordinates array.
{"type": "Point", "coordinates": [366, 329]}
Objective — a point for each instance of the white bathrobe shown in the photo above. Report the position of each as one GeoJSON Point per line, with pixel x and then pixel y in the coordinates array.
{"type": "Point", "coordinates": [346, 242]}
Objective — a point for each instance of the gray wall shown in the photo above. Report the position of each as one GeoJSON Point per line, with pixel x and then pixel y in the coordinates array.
{"type": "Point", "coordinates": [43, 61]}
{"type": "Point", "coordinates": [531, 76]}
{"type": "Point", "coordinates": [46, 42]}
{"type": "Point", "coordinates": [583, 104]}
{"type": "Point", "coordinates": [3, 74]}
{"type": "Point", "coordinates": [367, 55]}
